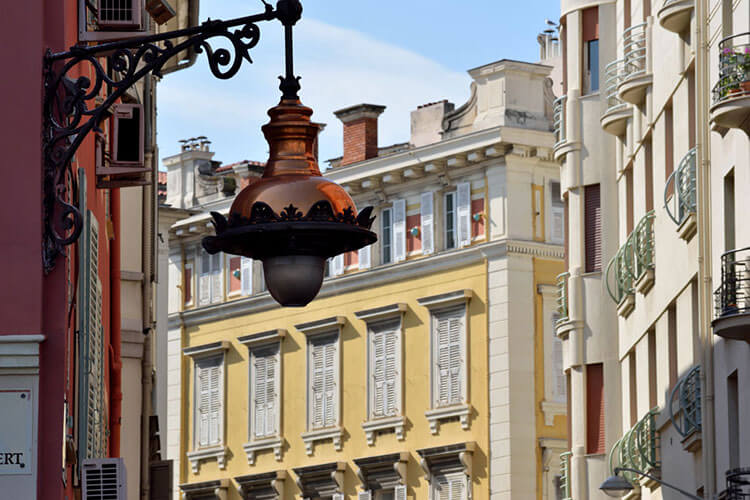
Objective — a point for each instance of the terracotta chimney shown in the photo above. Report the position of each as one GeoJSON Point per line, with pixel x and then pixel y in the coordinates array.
{"type": "Point", "coordinates": [360, 132]}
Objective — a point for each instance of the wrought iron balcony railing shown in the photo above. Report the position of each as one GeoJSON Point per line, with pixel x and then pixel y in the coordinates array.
{"type": "Point", "coordinates": [687, 394]}
{"type": "Point", "coordinates": [565, 475]}
{"type": "Point", "coordinates": [634, 45]}
{"type": "Point", "coordinates": [679, 192]}
{"type": "Point", "coordinates": [559, 119]}
{"type": "Point", "coordinates": [738, 485]}
{"type": "Point", "coordinates": [634, 258]}
{"type": "Point", "coordinates": [638, 448]}
{"type": "Point", "coordinates": [613, 74]}
{"type": "Point", "coordinates": [734, 68]}
{"type": "Point", "coordinates": [733, 295]}
{"type": "Point", "coordinates": [562, 297]}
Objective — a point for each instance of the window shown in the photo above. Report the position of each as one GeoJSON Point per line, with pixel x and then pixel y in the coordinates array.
{"type": "Point", "coordinates": [426, 219]}
{"type": "Point", "coordinates": [384, 368]}
{"type": "Point", "coordinates": [450, 220]}
{"type": "Point", "coordinates": [449, 486]}
{"type": "Point", "coordinates": [246, 275]}
{"type": "Point", "coordinates": [668, 145]}
{"type": "Point", "coordinates": [363, 257]}
{"type": "Point", "coordinates": [399, 230]}
{"type": "Point", "coordinates": [729, 211]}
{"type": "Point", "coordinates": [209, 414]}
{"type": "Point", "coordinates": [629, 196]}
{"type": "Point", "coordinates": [537, 221]}
{"type": "Point", "coordinates": [187, 284]}
{"type": "Point", "coordinates": [649, 180]}
{"type": "Point", "coordinates": [595, 409]}
{"type": "Point", "coordinates": [264, 391]}
{"type": "Point", "coordinates": [733, 420]}
{"type": "Point", "coordinates": [591, 50]}
{"type": "Point", "coordinates": [386, 236]}
{"type": "Point", "coordinates": [449, 357]}
{"type": "Point", "coordinates": [323, 376]}
{"type": "Point", "coordinates": [210, 283]}
{"type": "Point", "coordinates": [592, 65]}
{"type": "Point", "coordinates": [560, 388]}
{"type": "Point", "coordinates": [593, 228]}
{"type": "Point", "coordinates": [557, 226]}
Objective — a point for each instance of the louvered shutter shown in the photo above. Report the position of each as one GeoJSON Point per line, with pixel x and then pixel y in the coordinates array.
{"type": "Point", "coordinates": [557, 229]}
{"type": "Point", "coordinates": [364, 495]}
{"type": "Point", "coordinates": [337, 266]}
{"type": "Point", "coordinates": [260, 399]}
{"type": "Point", "coordinates": [428, 235]}
{"type": "Point", "coordinates": [330, 383]}
{"type": "Point", "coordinates": [557, 362]}
{"type": "Point", "coordinates": [204, 282]}
{"type": "Point", "coordinates": [593, 228]}
{"type": "Point", "coordinates": [457, 488]}
{"type": "Point", "coordinates": [364, 257]}
{"type": "Point", "coordinates": [399, 492]}
{"type": "Point", "coordinates": [318, 363]}
{"type": "Point", "coordinates": [203, 404]}
{"type": "Point", "coordinates": [246, 275]}
{"type": "Point", "coordinates": [455, 360]}
{"type": "Point", "coordinates": [337, 496]}
{"type": "Point", "coordinates": [442, 488]}
{"type": "Point", "coordinates": [399, 230]}
{"type": "Point", "coordinates": [449, 340]}
{"type": "Point", "coordinates": [215, 402]}
{"type": "Point", "coordinates": [271, 396]}
{"type": "Point", "coordinates": [443, 362]}
{"type": "Point", "coordinates": [378, 374]}
{"type": "Point", "coordinates": [595, 429]}
{"type": "Point", "coordinates": [216, 278]}
{"type": "Point", "coordinates": [391, 373]}
{"type": "Point", "coordinates": [463, 213]}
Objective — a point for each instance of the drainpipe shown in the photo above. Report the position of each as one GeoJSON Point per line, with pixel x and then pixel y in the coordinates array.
{"type": "Point", "coordinates": [115, 339]}
{"type": "Point", "coordinates": [705, 290]}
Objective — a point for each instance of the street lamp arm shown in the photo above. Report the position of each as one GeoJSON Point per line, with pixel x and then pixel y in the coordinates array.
{"type": "Point", "coordinates": [68, 119]}
{"type": "Point", "coordinates": [663, 483]}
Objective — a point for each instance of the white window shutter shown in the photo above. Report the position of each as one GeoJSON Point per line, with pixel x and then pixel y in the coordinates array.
{"type": "Point", "coordinates": [557, 367]}
{"type": "Point", "coordinates": [271, 397]}
{"type": "Point", "coordinates": [204, 404]}
{"type": "Point", "coordinates": [399, 492]}
{"type": "Point", "coordinates": [557, 234]}
{"type": "Point", "coordinates": [317, 411]}
{"type": "Point", "coordinates": [399, 230]}
{"type": "Point", "coordinates": [215, 408]}
{"type": "Point", "coordinates": [216, 278]}
{"type": "Point", "coordinates": [204, 282]}
{"type": "Point", "coordinates": [378, 374]}
{"type": "Point", "coordinates": [337, 265]}
{"type": "Point", "coordinates": [426, 219]}
{"type": "Point", "coordinates": [443, 362]}
{"type": "Point", "coordinates": [246, 275]}
{"type": "Point", "coordinates": [364, 495]}
{"type": "Point", "coordinates": [259, 402]}
{"type": "Point", "coordinates": [391, 373]}
{"type": "Point", "coordinates": [455, 360]}
{"type": "Point", "coordinates": [337, 496]}
{"type": "Point", "coordinates": [463, 211]}
{"type": "Point", "coordinates": [364, 257]}
{"type": "Point", "coordinates": [449, 338]}
{"type": "Point", "coordinates": [330, 384]}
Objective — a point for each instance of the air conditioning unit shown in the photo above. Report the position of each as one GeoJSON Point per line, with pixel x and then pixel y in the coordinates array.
{"type": "Point", "coordinates": [119, 14]}
{"type": "Point", "coordinates": [125, 166]}
{"type": "Point", "coordinates": [103, 479]}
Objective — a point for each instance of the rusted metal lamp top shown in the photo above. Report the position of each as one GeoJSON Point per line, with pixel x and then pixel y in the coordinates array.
{"type": "Point", "coordinates": [292, 218]}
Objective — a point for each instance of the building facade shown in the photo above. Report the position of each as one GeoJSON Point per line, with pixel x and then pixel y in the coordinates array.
{"type": "Point", "coordinates": [428, 366]}
{"type": "Point", "coordinates": [649, 132]}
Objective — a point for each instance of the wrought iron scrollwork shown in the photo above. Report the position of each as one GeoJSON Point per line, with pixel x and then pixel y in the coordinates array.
{"type": "Point", "coordinates": [68, 118]}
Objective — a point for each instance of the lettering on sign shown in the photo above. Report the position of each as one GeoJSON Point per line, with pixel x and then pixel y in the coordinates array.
{"type": "Point", "coordinates": [16, 432]}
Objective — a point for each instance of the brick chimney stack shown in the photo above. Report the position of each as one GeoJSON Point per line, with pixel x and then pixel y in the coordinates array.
{"type": "Point", "coordinates": [360, 132]}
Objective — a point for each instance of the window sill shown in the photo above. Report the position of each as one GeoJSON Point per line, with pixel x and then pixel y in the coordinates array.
{"type": "Point", "coordinates": [371, 427]}
{"type": "Point", "coordinates": [438, 414]}
{"type": "Point", "coordinates": [271, 443]}
{"type": "Point", "coordinates": [219, 452]}
{"type": "Point", "coordinates": [333, 433]}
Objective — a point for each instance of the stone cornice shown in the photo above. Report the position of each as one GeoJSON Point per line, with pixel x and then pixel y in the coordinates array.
{"type": "Point", "coordinates": [383, 312]}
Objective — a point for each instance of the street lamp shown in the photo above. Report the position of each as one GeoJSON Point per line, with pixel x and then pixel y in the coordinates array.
{"type": "Point", "coordinates": [292, 219]}
{"type": "Point", "coordinates": [616, 486]}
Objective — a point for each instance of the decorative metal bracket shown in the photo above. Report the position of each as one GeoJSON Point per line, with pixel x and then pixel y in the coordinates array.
{"type": "Point", "coordinates": [68, 119]}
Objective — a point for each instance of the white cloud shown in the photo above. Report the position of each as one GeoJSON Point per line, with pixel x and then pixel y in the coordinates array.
{"type": "Point", "coordinates": [339, 67]}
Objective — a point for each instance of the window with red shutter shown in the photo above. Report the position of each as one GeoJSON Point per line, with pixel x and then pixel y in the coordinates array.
{"type": "Point", "coordinates": [593, 229]}
{"type": "Point", "coordinates": [595, 409]}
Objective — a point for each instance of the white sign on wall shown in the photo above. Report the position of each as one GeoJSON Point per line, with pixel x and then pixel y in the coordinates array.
{"type": "Point", "coordinates": [15, 432]}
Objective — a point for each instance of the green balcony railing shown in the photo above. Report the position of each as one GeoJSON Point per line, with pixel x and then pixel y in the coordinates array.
{"type": "Point", "coordinates": [558, 119]}
{"type": "Point", "coordinates": [734, 68]}
{"type": "Point", "coordinates": [634, 258]}
{"type": "Point", "coordinates": [638, 448]}
{"type": "Point", "coordinates": [565, 475]}
{"type": "Point", "coordinates": [679, 192]}
{"type": "Point", "coordinates": [686, 419]}
{"type": "Point", "coordinates": [613, 74]}
{"type": "Point", "coordinates": [635, 48]}
{"type": "Point", "coordinates": [562, 297]}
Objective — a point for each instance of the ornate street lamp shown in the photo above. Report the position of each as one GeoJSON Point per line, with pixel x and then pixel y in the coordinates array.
{"type": "Point", "coordinates": [617, 486]}
{"type": "Point", "coordinates": [292, 219]}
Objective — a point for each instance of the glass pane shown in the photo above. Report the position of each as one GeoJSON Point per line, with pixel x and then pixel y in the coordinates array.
{"type": "Point", "coordinates": [594, 64]}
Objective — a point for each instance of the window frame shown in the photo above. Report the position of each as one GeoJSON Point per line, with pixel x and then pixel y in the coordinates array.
{"type": "Point", "coordinates": [453, 219]}
{"type": "Point", "coordinates": [389, 231]}
{"type": "Point", "coordinates": [335, 336]}
{"type": "Point", "coordinates": [220, 358]}
{"type": "Point", "coordinates": [253, 356]}
{"type": "Point", "coordinates": [189, 264]}
{"type": "Point", "coordinates": [434, 356]}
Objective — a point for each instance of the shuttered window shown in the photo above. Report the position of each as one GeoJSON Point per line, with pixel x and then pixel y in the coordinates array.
{"type": "Point", "coordinates": [449, 357]}
{"type": "Point", "coordinates": [364, 495]}
{"type": "Point", "coordinates": [323, 376]}
{"type": "Point", "coordinates": [595, 442]}
{"type": "Point", "coordinates": [399, 492]}
{"type": "Point", "coordinates": [337, 265]}
{"type": "Point", "coordinates": [246, 271]}
{"type": "Point", "coordinates": [450, 220]}
{"type": "Point", "coordinates": [187, 283]}
{"type": "Point", "coordinates": [209, 414]}
{"type": "Point", "coordinates": [593, 228]}
{"type": "Point", "coordinates": [386, 236]}
{"type": "Point", "coordinates": [449, 486]}
{"type": "Point", "coordinates": [399, 230]}
{"type": "Point", "coordinates": [463, 213]}
{"type": "Point", "coordinates": [557, 216]}
{"type": "Point", "coordinates": [210, 282]}
{"type": "Point", "coordinates": [560, 385]}
{"type": "Point", "coordinates": [265, 391]}
{"type": "Point", "coordinates": [427, 230]}
{"type": "Point", "coordinates": [364, 256]}
{"type": "Point", "coordinates": [385, 346]}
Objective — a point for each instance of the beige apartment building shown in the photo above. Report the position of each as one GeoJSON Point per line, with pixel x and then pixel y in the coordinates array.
{"type": "Point", "coordinates": [652, 137]}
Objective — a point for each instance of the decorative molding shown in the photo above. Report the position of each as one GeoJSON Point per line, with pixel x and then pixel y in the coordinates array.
{"type": "Point", "coordinates": [321, 326]}
{"type": "Point", "coordinates": [252, 447]}
{"type": "Point", "coordinates": [451, 455]}
{"type": "Point", "coordinates": [446, 299]}
{"type": "Point", "coordinates": [434, 416]}
{"type": "Point", "coordinates": [193, 490]}
{"type": "Point", "coordinates": [536, 249]}
{"type": "Point", "coordinates": [266, 337]}
{"type": "Point", "coordinates": [218, 452]}
{"type": "Point", "coordinates": [371, 427]}
{"type": "Point", "coordinates": [383, 312]}
{"type": "Point", "coordinates": [382, 471]}
{"type": "Point", "coordinates": [320, 480]}
{"type": "Point", "coordinates": [19, 354]}
{"type": "Point", "coordinates": [262, 483]}
{"type": "Point", "coordinates": [206, 349]}
{"type": "Point", "coordinates": [551, 409]}
{"type": "Point", "coordinates": [311, 437]}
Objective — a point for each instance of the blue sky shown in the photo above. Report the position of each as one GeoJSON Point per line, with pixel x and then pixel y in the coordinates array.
{"type": "Point", "coordinates": [396, 53]}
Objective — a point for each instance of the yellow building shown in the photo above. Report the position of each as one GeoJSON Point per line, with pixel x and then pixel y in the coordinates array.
{"type": "Point", "coordinates": [428, 366]}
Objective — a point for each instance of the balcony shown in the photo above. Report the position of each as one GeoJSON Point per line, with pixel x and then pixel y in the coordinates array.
{"type": "Point", "coordinates": [559, 122]}
{"type": "Point", "coordinates": [738, 485]}
{"type": "Point", "coordinates": [674, 15]}
{"type": "Point", "coordinates": [632, 267]}
{"type": "Point", "coordinates": [637, 75]}
{"type": "Point", "coordinates": [679, 196]}
{"type": "Point", "coordinates": [731, 94]}
{"type": "Point", "coordinates": [732, 298]}
{"type": "Point", "coordinates": [615, 118]}
{"type": "Point", "coordinates": [685, 409]}
{"type": "Point", "coordinates": [638, 449]}
{"type": "Point", "coordinates": [565, 475]}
